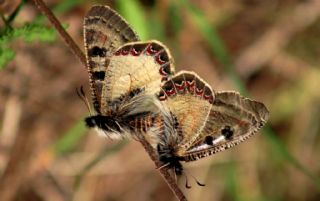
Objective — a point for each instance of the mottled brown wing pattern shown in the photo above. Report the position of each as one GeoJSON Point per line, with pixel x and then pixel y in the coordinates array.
{"type": "Point", "coordinates": [232, 119]}
{"type": "Point", "coordinates": [189, 99]}
{"type": "Point", "coordinates": [104, 32]}
{"type": "Point", "coordinates": [136, 66]}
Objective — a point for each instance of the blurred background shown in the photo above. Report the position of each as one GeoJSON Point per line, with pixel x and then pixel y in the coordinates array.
{"type": "Point", "coordinates": [267, 50]}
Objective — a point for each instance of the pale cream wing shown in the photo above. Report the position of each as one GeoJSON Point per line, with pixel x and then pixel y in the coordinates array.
{"type": "Point", "coordinates": [232, 119]}
{"type": "Point", "coordinates": [189, 99]}
{"type": "Point", "coordinates": [137, 67]}
{"type": "Point", "coordinates": [104, 31]}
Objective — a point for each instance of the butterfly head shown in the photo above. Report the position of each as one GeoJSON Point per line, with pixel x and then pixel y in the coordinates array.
{"type": "Point", "coordinates": [106, 123]}
{"type": "Point", "coordinates": [169, 158]}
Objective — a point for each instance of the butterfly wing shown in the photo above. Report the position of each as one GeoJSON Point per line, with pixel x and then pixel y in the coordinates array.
{"type": "Point", "coordinates": [136, 67]}
{"type": "Point", "coordinates": [189, 99]}
{"type": "Point", "coordinates": [104, 32]}
{"type": "Point", "coordinates": [232, 119]}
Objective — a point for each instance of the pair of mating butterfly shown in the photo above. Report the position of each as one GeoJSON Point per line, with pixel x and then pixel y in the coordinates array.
{"type": "Point", "coordinates": [135, 92]}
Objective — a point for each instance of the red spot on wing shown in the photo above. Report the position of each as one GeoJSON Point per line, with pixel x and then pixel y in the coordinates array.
{"type": "Point", "coordinates": [117, 53]}
{"type": "Point", "coordinates": [209, 98]}
{"type": "Point", "coordinates": [159, 60]}
{"type": "Point", "coordinates": [134, 52]}
{"type": "Point", "coordinates": [180, 87]}
{"type": "Point", "coordinates": [124, 52]}
{"type": "Point", "coordinates": [171, 92]}
{"type": "Point", "coordinates": [162, 72]}
{"type": "Point", "coordinates": [191, 86]}
{"type": "Point", "coordinates": [150, 50]}
{"type": "Point", "coordinates": [199, 92]}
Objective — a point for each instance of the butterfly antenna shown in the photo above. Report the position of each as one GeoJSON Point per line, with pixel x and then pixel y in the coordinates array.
{"type": "Point", "coordinates": [198, 182]}
{"type": "Point", "coordinates": [83, 97]}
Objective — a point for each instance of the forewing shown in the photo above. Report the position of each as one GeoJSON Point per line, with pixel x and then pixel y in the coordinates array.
{"type": "Point", "coordinates": [189, 99]}
{"type": "Point", "coordinates": [137, 66]}
{"type": "Point", "coordinates": [104, 31]}
{"type": "Point", "coordinates": [232, 120]}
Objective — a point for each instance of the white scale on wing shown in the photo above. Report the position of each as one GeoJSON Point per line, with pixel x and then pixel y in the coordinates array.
{"type": "Point", "coordinates": [206, 146]}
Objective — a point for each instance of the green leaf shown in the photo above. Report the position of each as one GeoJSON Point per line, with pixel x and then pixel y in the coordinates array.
{"type": "Point", "coordinates": [28, 33]}
{"type": "Point", "coordinates": [6, 55]}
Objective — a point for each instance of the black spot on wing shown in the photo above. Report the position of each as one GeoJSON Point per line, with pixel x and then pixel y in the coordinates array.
{"type": "Point", "coordinates": [97, 51]}
{"type": "Point", "coordinates": [208, 140]}
{"type": "Point", "coordinates": [227, 132]}
{"type": "Point", "coordinates": [98, 75]}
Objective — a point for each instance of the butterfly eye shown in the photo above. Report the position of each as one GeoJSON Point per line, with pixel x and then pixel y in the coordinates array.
{"type": "Point", "coordinates": [227, 132]}
{"type": "Point", "coordinates": [208, 140]}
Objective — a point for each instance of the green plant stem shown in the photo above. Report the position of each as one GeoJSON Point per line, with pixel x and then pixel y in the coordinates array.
{"type": "Point", "coordinates": [7, 25]}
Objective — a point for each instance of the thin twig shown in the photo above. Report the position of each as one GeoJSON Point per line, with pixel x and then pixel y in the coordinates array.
{"type": "Point", "coordinates": [57, 25]}
{"type": "Point", "coordinates": [16, 12]}
{"type": "Point", "coordinates": [163, 171]}
{"type": "Point", "coordinates": [76, 50]}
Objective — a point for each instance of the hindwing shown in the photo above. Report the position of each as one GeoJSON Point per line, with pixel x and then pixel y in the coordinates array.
{"type": "Point", "coordinates": [189, 99]}
{"type": "Point", "coordinates": [232, 119]}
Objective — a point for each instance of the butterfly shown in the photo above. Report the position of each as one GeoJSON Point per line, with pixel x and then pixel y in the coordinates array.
{"type": "Point", "coordinates": [124, 74]}
{"type": "Point", "coordinates": [187, 119]}
{"type": "Point", "coordinates": [202, 122]}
